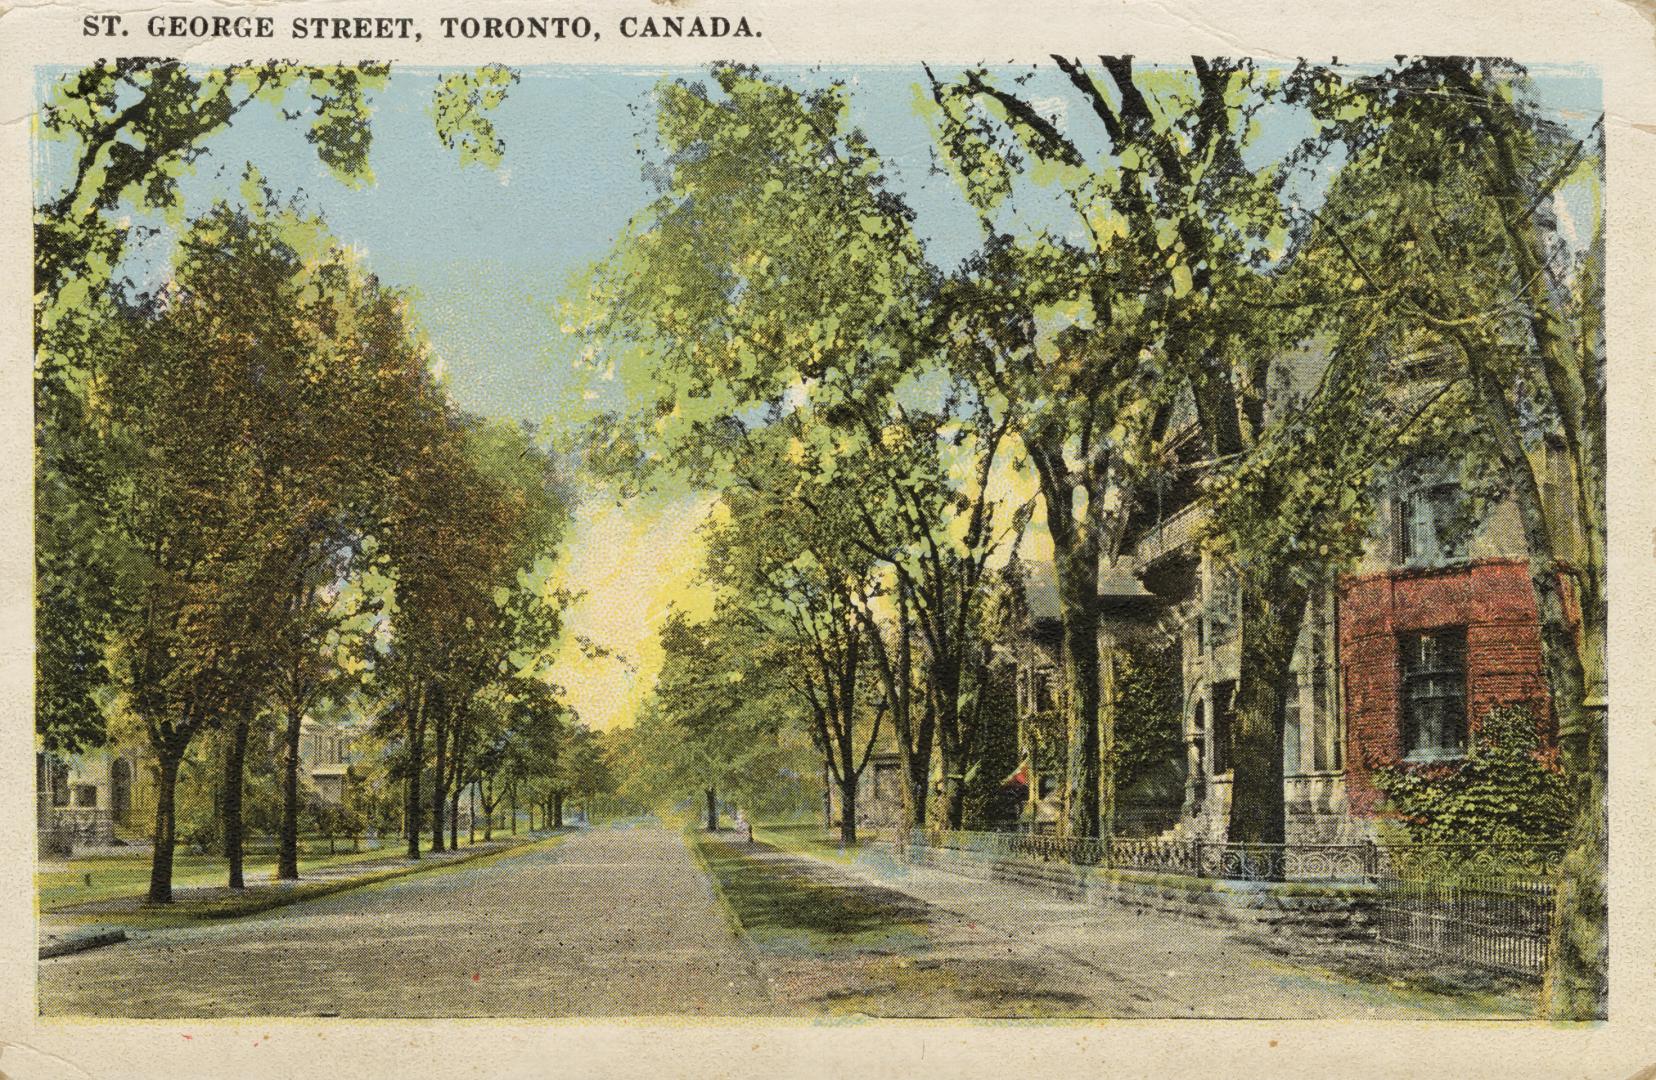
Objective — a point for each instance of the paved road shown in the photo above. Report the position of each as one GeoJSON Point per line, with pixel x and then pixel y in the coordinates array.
{"type": "Point", "coordinates": [608, 922]}
{"type": "Point", "coordinates": [623, 922]}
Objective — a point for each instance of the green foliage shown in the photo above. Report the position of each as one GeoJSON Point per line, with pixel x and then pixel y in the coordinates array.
{"type": "Point", "coordinates": [988, 805]}
{"type": "Point", "coordinates": [1149, 728]}
{"type": "Point", "coordinates": [459, 107]}
{"type": "Point", "coordinates": [1510, 788]}
{"type": "Point", "coordinates": [722, 716]}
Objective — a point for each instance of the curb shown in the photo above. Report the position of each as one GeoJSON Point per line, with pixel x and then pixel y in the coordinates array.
{"type": "Point", "coordinates": [82, 943]}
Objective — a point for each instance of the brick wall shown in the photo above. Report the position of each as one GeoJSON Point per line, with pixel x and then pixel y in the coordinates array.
{"type": "Point", "coordinates": [1491, 598]}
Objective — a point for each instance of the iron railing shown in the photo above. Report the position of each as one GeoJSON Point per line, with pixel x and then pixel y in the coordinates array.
{"type": "Point", "coordinates": [1192, 857]}
{"type": "Point", "coordinates": [1496, 924]}
{"type": "Point", "coordinates": [1367, 861]}
{"type": "Point", "coordinates": [1485, 904]}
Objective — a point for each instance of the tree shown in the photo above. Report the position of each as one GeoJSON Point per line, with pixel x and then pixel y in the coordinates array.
{"type": "Point", "coordinates": [1451, 228]}
{"type": "Point", "coordinates": [134, 126]}
{"type": "Point", "coordinates": [469, 537]}
{"type": "Point", "coordinates": [1091, 342]}
{"type": "Point", "coordinates": [202, 397]}
{"type": "Point", "coordinates": [793, 580]}
{"type": "Point", "coordinates": [718, 718]}
{"type": "Point", "coordinates": [779, 275]}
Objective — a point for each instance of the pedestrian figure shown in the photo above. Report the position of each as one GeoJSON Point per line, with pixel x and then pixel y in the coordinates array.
{"type": "Point", "coordinates": [744, 827]}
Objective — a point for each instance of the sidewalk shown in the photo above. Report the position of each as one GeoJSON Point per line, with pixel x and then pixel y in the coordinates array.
{"type": "Point", "coordinates": [1118, 961]}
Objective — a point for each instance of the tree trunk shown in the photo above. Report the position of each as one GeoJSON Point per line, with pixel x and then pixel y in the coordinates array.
{"type": "Point", "coordinates": [411, 800]}
{"type": "Point", "coordinates": [454, 816]}
{"type": "Point", "coordinates": [439, 777]}
{"type": "Point", "coordinates": [458, 753]}
{"type": "Point", "coordinates": [557, 809]}
{"type": "Point", "coordinates": [1078, 609]}
{"type": "Point", "coordinates": [848, 808]}
{"type": "Point", "coordinates": [712, 809]}
{"type": "Point", "coordinates": [287, 859]}
{"type": "Point", "coordinates": [919, 772]}
{"type": "Point", "coordinates": [235, 758]}
{"type": "Point", "coordinates": [1273, 608]}
{"type": "Point", "coordinates": [945, 688]}
{"type": "Point", "coordinates": [1576, 986]}
{"type": "Point", "coordinates": [514, 811]}
{"type": "Point", "coordinates": [166, 834]}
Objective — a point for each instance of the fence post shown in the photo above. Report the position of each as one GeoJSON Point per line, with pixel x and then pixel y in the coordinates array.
{"type": "Point", "coordinates": [1196, 849]}
{"type": "Point", "coordinates": [1371, 860]}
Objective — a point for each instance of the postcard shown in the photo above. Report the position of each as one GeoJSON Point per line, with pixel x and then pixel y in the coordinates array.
{"type": "Point", "coordinates": [804, 540]}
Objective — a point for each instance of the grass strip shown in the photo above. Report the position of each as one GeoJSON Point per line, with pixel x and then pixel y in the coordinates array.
{"type": "Point", "coordinates": [780, 906]}
{"type": "Point", "coordinates": [258, 899]}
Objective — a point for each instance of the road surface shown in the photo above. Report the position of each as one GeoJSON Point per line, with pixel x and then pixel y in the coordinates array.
{"type": "Point", "coordinates": [609, 922]}
{"type": "Point", "coordinates": [623, 921]}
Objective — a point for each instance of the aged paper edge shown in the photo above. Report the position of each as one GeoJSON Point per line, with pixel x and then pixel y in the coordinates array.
{"type": "Point", "coordinates": [1616, 37]}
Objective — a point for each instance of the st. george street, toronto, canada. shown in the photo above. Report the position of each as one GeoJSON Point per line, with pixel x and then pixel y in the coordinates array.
{"type": "Point", "coordinates": [1084, 539]}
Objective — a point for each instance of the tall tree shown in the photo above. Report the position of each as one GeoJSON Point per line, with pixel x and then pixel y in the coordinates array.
{"type": "Point", "coordinates": [132, 128]}
{"type": "Point", "coordinates": [1459, 183]}
{"type": "Point", "coordinates": [1092, 340]}
{"type": "Point", "coordinates": [210, 392]}
{"type": "Point", "coordinates": [778, 274]}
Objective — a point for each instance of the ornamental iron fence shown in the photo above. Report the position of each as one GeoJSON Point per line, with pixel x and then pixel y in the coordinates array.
{"type": "Point", "coordinates": [1192, 858]}
{"type": "Point", "coordinates": [1485, 904]}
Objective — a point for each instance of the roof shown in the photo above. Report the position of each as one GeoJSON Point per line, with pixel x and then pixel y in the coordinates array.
{"type": "Point", "coordinates": [1119, 591]}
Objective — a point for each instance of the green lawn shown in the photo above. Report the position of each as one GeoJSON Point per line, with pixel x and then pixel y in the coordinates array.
{"type": "Point", "coordinates": [111, 877]}
{"type": "Point", "coordinates": [812, 839]}
{"type": "Point", "coordinates": [781, 907]}
{"type": "Point", "coordinates": [263, 895]}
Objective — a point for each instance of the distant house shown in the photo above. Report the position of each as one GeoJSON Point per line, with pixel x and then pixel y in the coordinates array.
{"type": "Point", "coordinates": [327, 753]}
{"type": "Point", "coordinates": [85, 800]}
{"type": "Point", "coordinates": [879, 794]}
{"type": "Point", "coordinates": [91, 799]}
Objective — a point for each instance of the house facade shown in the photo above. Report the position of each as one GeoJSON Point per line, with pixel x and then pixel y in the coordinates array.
{"type": "Point", "coordinates": [1397, 663]}
{"type": "Point", "coordinates": [86, 800]}
{"type": "Point", "coordinates": [327, 752]}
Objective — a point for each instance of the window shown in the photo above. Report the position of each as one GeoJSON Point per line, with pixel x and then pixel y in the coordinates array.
{"type": "Point", "coordinates": [1328, 747]}
{"type": "Point", "coordinates": [86, 795]}
{"type": "Point", "coordinates": [1224, 720]}
{"type": "Point", "coordinates": [1199, 729]}
{"type": "Point", "coordinates": [60, 784]}
{"type": "Point", "coordinates": [1046, 691]}
{"type": "Point", "coordinates": [1434, 694]}
{"type": "Point", "coordinates": [1431, 525]}
{"type": "Point", "coordinates": [1291, 729]}
{"type": "Point", "coordinates": [1224, 605]}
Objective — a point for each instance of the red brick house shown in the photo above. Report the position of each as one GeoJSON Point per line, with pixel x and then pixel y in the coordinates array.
{"type": "Point", "coordinates": [1397, 664]}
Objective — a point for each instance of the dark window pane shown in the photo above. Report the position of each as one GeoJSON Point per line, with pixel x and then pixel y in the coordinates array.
{"type": "Point", "coordinates": [1434, 692]}
{"type": "Point", "coordinates": [1224, 719]}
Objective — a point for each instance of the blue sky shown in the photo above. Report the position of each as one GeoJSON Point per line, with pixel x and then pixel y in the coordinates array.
{"type": "Point", "coordinates": [487, 254]}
